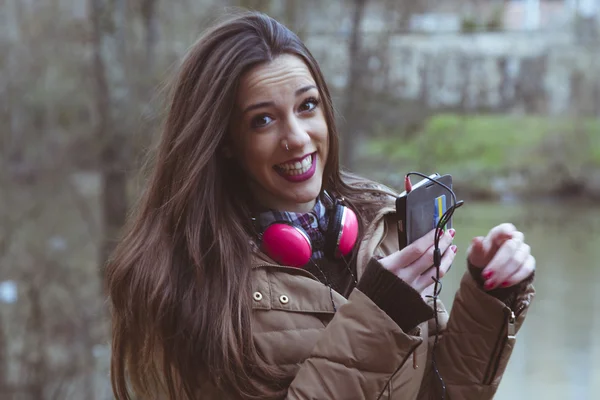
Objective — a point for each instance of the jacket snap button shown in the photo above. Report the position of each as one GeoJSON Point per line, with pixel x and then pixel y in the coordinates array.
{"type": "Point", "coordinates": [257, 296]}
{"type": "Point", "coordinates": [284, 299]}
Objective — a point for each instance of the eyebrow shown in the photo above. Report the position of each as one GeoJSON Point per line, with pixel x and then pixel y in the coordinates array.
{"type": "Point", "coordinates": [270, 103]}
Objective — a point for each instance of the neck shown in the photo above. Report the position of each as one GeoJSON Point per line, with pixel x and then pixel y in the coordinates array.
{"type": "Point", "coordinates": [301, 208]}
{"type": "Point", "coordinates": [262, 203]}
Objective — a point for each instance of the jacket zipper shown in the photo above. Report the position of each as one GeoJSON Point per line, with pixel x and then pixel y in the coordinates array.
{"type": "Point", "coordinates": [507, 332]}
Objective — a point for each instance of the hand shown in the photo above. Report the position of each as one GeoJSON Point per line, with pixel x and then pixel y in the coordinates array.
{"type": "Point", "coordinates": [414, 263]}
{"type": "Point", "coordinates": [504, 256]}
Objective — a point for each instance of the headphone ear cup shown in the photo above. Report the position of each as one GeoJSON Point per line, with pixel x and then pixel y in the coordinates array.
{"type": "Point", "coordinates": [342, 232]}
{"type": "Point", "coordinates": [287, 244]}
{"type": "Point", "coordinates": [348, 233]}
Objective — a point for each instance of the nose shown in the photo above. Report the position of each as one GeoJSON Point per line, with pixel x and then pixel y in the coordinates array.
{"type": "Point", "coordinates": [296, 135]}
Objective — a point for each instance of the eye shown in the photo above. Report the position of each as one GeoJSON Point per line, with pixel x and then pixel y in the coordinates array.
{"type": "Point", "coordinates": [309, 104]}
{"type": "Point", "coordinates": [260, 121]}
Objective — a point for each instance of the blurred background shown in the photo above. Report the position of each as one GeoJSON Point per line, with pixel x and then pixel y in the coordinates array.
{"type": "Point", "coordinates": [503, 95]}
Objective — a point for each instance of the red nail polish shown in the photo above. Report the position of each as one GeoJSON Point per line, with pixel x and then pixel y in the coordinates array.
{"type": "Point", "coordinates": [441, 233]}
{"type": "Point", "coordinates": [487, 275]}
{"type": "Point", "coordinates": [452, 232]}
{"type": "Point", "coordinates": [505, 284]}
{"type": "Point", "coordinates": [489, 284]}
{"type": "Point", "coordinates": [454, 248]}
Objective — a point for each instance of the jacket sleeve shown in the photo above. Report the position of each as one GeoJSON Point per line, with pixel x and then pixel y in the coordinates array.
{"type": "Point", "coordinates": [352, 359]}
{"type": "Point", "coordinates": [475, 345]}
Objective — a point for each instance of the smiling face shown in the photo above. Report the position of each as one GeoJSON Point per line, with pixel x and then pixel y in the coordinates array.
{"type": "Point", "coordinates": [279, 136]}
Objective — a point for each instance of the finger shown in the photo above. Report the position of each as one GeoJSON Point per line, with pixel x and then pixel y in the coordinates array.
{"type": "Point", "coordinates": [502, 229]}
{"type": "Point", "coordinates": [484, 253]}
{"type": "Point", "coordinates": [426, 260]}
{"type": "Point", "coordinates": [475, 252]}
{"type": "Point", "coordinates": [502, 237]}
{"type": "Point", "coordinates": [502, 272]}
{"type": "Point", "coordinates": [498, 235]}
{"type": "Point", "coordinates": [428, 276]}
{"type": "Point", "coordinates": [522, 273]}
{"type": "Point", "coordinates": [413, 251]}
{"type": "Point", "coordinates": [518, 235]}
{"type": "Point", "coordinates": [502, 256]}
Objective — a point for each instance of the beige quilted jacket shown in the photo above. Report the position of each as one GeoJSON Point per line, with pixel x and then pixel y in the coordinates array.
{"type": "Point", "coordinates": [360, 353]}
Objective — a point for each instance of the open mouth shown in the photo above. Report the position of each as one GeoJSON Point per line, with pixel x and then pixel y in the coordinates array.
{"type": "Point", "coordinates": [298, 170]}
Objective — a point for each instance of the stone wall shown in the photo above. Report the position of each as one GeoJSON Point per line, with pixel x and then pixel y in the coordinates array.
{"type": "Point", "coordinates": [547, 73]}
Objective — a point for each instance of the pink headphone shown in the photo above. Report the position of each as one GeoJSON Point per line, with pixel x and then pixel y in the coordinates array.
{"type": "Point", "coordinates": [289, 244]}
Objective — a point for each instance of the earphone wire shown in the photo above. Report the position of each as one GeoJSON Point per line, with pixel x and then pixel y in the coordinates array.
{"type": "Point", "coordinates": [326, 283]}
{"type": "Point", "coordinates": [332, 203]}
{"type": "Point", "coordinates": [437, 259]}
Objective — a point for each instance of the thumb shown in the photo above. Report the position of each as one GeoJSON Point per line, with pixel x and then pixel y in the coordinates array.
{"type": "Point", "coordinates": [477, 251]}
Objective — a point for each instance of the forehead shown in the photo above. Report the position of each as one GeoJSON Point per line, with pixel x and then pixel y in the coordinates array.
{"type": "Point", "coordinates": [285, 72]}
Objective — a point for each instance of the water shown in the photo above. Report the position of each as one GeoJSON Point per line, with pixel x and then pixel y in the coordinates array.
{"type": "Point", "coordinates": [557, 355]}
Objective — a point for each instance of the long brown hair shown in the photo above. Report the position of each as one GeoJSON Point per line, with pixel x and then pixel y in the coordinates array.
{"type": "Point", "coordinates": [178, 281]}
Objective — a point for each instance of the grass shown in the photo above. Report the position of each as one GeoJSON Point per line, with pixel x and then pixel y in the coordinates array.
{"type": "Point", "coordinates": [478, 147]}
{"type": "Point", "coordinates": [486, 141]}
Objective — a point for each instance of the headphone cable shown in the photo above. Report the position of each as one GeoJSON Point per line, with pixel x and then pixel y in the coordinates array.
{"type": "Point", "coordinates": [437, 260]}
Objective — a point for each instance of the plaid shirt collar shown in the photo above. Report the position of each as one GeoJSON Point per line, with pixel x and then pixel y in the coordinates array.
{"type": "Point", "coordinates": [310, 222]}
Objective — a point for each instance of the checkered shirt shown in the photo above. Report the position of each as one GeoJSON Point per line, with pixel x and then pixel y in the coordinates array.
{"type": "Point", "coordinates": [309, 221]}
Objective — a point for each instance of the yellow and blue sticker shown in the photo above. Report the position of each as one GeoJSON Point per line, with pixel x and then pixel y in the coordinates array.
{"type": "Point", "coordinates": [439, 209]}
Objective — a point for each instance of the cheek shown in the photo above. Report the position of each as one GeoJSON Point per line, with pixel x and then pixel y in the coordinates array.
{"type": "Point", "coordinates": [256, 154]}
{"type": "Point", "coordinates": [319, 130]}
{"type": "Point", "coordinates": [323, 137]}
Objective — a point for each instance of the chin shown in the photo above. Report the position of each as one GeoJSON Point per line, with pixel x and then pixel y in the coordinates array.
{"type": "Point", "coordinates": [312, 190]}
{"type": "Point", "coordinates": [301, 198]}
{"type": "Point", "coordinates": [303, 195]}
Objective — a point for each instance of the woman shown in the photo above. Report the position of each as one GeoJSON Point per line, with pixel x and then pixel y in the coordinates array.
{"type": "Point", "coordinates": [201, 307]}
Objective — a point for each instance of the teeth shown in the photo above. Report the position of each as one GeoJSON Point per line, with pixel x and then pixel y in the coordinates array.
{"type": "Point", "coordinates": [298, 167]}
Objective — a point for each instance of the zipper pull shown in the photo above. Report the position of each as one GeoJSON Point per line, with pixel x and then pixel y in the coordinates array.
{"type": "Point", "coordinates": [415, 366]}
{"type": "Point", "coordinates": [511, 326]}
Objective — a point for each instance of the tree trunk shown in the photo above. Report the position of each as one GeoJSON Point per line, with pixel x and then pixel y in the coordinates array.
{"type": "Point", "coordinates": [151, 31]}
{"type": "Point", "coordinates": [291, 19]}
{"type": "Point", "coordinates": [37, 370]}
{"type": "Point", "coordinates": [257, 5]}
{"type": "Point", "coordinates": [350, 128]}
{"type": "Point", "coordinates": [112, 95]}
{"type": "Point", "coordinates": [3, 359]}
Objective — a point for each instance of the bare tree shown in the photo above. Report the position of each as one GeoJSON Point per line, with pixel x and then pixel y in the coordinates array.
{"type": "Point", "coordinates": [36, 365]}
{"type": "Point", "coordinates": [351, 117]}
{"type": "Point", "coordinates": [150, 19]}
{"type": "Point", "coordinates": [112, 95]}
{"type": "Point", "coordinates": [258, 5]}
{"type": "Point", "coordinates": [3, 358]}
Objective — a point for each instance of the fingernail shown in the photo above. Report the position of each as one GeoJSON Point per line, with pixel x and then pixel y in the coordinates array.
{"type": "Point", "coordinates": [454, 248]}
{"type": "Point", "coordinates": [441, 233]}
{"type": "Point", "coordinates": [505, 284]}
{"type": "Point", "coordinates": [452, 232]}
{"type": "Point", "coordinates": [487, 274]}
{"type": "Point", "coordinates": [489, 285]}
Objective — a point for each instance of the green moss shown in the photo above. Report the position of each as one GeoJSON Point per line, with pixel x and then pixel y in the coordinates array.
{"type": "Point", "coordinates": [484, 146]}
{"type": "Point", "coordinates": [594, 128]}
